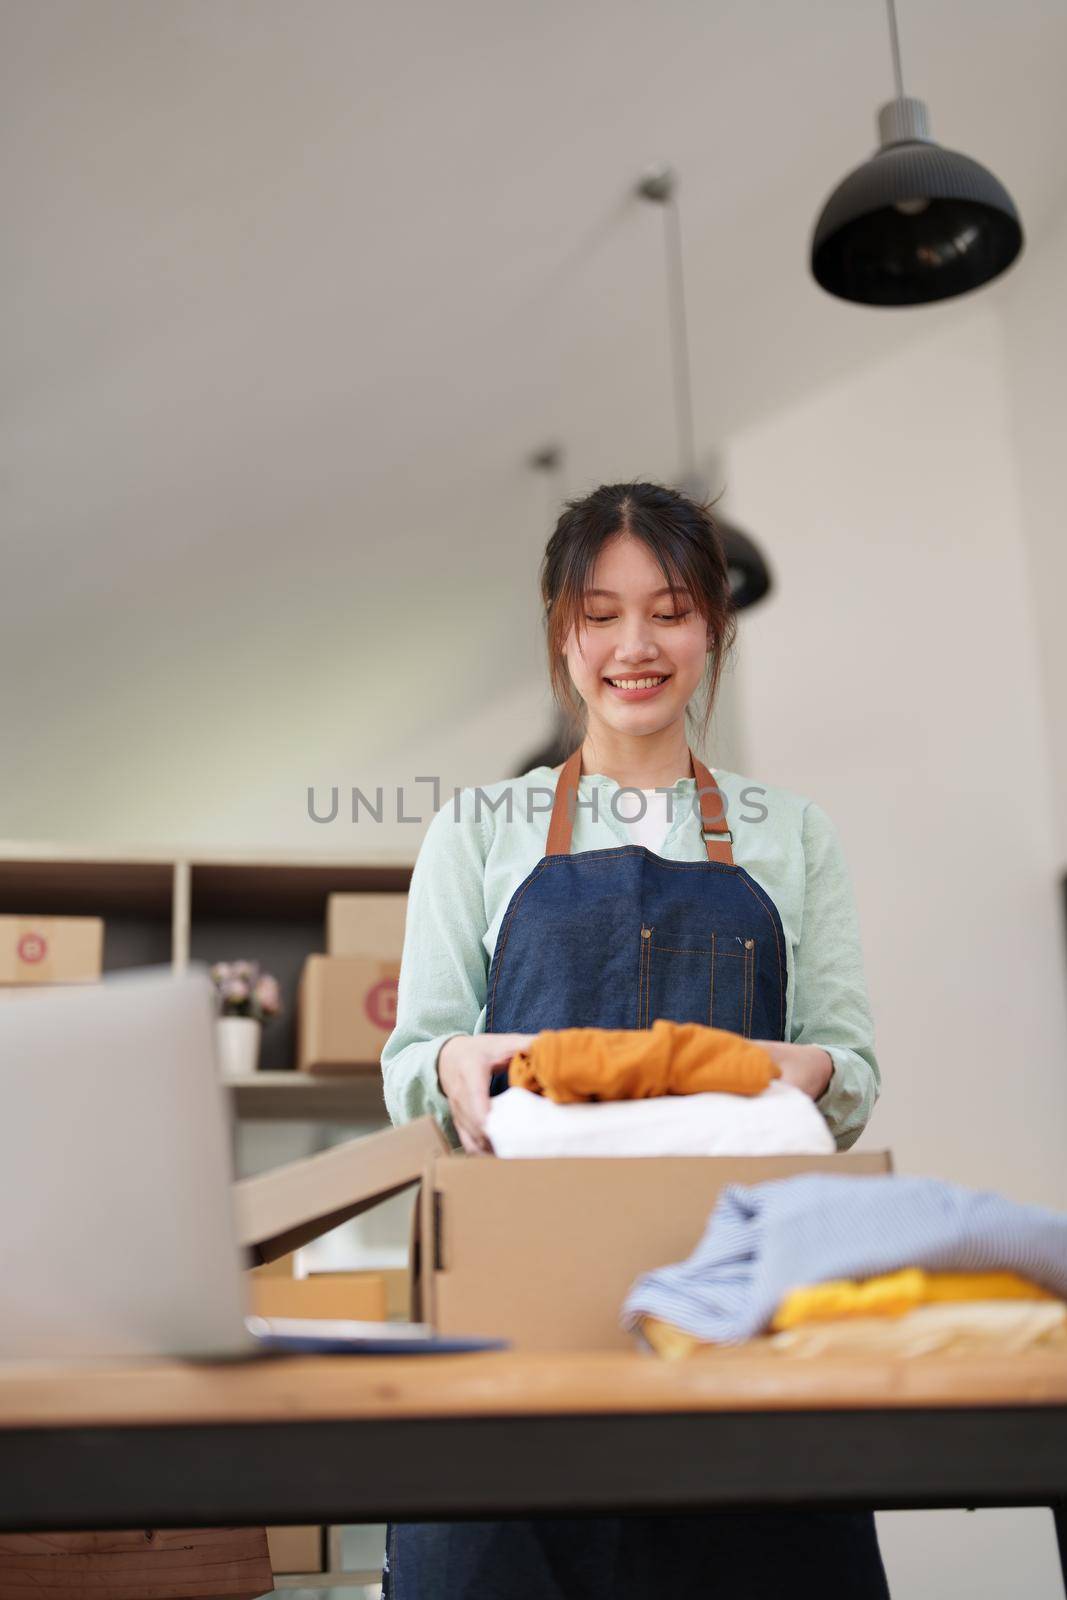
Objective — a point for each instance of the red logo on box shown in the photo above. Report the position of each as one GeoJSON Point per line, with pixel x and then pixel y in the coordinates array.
{"type": "Point", "coordinates": [380, 1003]}
{"type": "Point", "coordinates": [32, 947]}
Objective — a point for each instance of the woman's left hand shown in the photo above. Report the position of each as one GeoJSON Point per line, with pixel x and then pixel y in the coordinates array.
{"type": "Point", "coordinates": [808, 1066]}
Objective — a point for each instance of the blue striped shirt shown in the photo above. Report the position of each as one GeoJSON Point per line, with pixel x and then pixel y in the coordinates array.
{"type": "Point", "coordinates": [764, 1240]}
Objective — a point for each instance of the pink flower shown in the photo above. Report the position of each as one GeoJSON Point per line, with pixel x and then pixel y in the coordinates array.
{"type": "Point", "coordinates": [243, 990]}
{"type": "Point", "coordinates": [267, 995]}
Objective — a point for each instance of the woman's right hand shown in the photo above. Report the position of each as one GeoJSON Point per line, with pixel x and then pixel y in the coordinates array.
{"type": "Point", "coordinates": [465, 1064]}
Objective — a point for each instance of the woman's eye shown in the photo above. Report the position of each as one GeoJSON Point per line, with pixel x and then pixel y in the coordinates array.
{"type": "Point", "coordinates": [659, 616]}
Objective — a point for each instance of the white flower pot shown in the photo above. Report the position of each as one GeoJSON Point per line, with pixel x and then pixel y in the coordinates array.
{"type": "Point", "coordinates": [237, 1045]}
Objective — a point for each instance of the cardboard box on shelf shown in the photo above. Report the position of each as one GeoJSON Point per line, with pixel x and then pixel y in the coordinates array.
{"type": "Point", "coordinates": [539, 1252]}
{"type": "Point", "coordinates": [397, 1292]}
{"type": "Point", "coordinates": [355, 1296]}
{"type": "Point", "coordinates": [346, 1010]}
{"type": "Point", "coordinates": [295, 1549]}
{"type": "Point", "coordinates": [39, 950]}
{"type": "Point", "coordinates": [281, 1267]}
{"type": "Point", "coordinates": [366, 925]}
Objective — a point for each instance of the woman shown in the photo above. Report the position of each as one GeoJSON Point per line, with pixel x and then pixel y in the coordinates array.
{"type": "Point", "coordinates": [720, 902]}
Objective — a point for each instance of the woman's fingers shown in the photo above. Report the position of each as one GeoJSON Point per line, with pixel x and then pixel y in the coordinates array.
{"type": "Point", "coordinates": [470, 1121]}
{"type": "Point", "coordinates": [468, 1086]}
{"type": "Point", "coordinates": [465, 1140]}
{"type": "Point", "coordinates": [479, 1110]}
{"type": "Point", "coordinates": [474, 1144]}
{"type": "Point", "coordinates": [469, 1129]}
{"type": "Point", "coordinates": [508, 1044]}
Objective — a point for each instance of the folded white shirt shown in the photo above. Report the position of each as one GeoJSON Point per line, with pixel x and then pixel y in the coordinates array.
{"type": "Point", "coordinates": [783, 1120]}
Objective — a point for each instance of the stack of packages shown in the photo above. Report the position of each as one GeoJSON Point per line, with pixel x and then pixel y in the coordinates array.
{"type": "Point", "coordinates": [822, 1265]}
{"type": "Point", "coordinates": [674, 1089]}
{"type": "Point", "coordinates": [346, 1000]}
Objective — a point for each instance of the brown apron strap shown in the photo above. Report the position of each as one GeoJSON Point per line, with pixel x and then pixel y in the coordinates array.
{"type": "Point", "coordinates": [715, 833]}
{"type": "Point", "coordinates": [559, 829]}
{"type": "Point", "coordinates": [718, 840]}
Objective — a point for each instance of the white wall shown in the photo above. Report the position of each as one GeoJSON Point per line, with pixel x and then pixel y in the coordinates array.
{"type": "Point", "coordinates": [896, 677]}
{"type": "Point", "coordinates": [1035, 331]}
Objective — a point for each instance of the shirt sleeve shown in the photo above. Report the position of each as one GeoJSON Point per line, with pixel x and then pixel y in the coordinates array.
{"type": "Point", "coordinates": [830, 1003]}
{"type": "Point", "coordinates": [444, 970]}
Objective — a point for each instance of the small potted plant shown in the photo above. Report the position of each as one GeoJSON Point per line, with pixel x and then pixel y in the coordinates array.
{"type": "Point", "coordinates": [246, 997]}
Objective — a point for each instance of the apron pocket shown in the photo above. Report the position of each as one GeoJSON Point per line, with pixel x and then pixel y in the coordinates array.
{"type": "Point", "coordinates": [733, 983]}
{"type": "Point", "coordinates": [685, 982]}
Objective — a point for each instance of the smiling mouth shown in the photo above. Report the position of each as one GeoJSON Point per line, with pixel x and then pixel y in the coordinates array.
{"type": "Point", "coordinates": [651, 681]}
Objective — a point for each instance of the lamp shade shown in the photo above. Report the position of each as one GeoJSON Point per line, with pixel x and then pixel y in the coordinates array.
{"type": "Point", "coordinates": [750, 578]}
{"type": "Point", "coordinates": [746, 565]}
{"type": "Point", "coordinates": [915, 223]}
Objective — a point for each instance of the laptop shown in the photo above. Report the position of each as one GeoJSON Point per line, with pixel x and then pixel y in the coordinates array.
{"type": "Point", "coordinates": [115, 1183]}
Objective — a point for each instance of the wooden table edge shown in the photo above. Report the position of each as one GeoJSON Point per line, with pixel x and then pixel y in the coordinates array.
{"type": "Point", "coordinates": [295, 1389]}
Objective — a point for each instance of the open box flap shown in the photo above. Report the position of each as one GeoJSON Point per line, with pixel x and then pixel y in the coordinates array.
{"type": "Point", "coordinates": [279, 1211]}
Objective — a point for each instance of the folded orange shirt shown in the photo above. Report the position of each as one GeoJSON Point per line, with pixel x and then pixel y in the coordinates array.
{"type": "Point", "coordinates": [570, 1064]}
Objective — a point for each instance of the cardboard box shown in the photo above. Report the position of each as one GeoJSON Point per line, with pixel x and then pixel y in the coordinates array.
{"type": "Point", "coordinates": [36, 950]}
{"type": "Point", "coordinates": [540, 1252]}
{"type": "Point", "coordinates": [359, 1296]}
{"type": "Point", "coordinates": [366, 925]}
{"type": "Point", "coordinates": [283, 1267]}
{"type": "Point", "coordinates": [346, 1010]}
{"type": "Point", "coordinates": [397, 1282]}
{"type": "Point", "coordinates": [296, 1549]}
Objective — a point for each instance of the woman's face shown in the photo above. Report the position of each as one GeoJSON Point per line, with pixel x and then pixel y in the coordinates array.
{"type": "Point", "coordinates": [635, 632]}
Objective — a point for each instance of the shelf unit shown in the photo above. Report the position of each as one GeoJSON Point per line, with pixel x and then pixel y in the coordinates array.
{"type": "Point", "coordinates": [310, 1097]}
{"type": "Point", "coordinates": [167, 908]}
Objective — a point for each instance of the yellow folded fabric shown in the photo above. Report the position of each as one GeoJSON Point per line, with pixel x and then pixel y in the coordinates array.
{"type": "Point", "coordinates": [972, 1327]}
{"type": "Point", "coordinates": [668, 1341]}
{"type": "Point", "coordinates": [960, 1327]}
{"type": "Point", "coordinates": [894, 1293]}
{"type": "Point", "coordinates": [572, 1064]}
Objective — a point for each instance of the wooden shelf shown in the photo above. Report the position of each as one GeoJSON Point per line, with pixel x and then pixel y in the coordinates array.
{"type": "Point", "coordinates": [52, 881]}
{"type": "Point", "coordinates": [303, 1096]}
{"type": "Point", "coordinates": [174, 906]}
{"type": "Point", "coordinates": [94, 888]}
{"type": "Point", "coordinates": [286, 890]}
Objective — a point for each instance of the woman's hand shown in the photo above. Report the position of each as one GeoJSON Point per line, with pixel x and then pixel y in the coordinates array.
{"type": "Point", "coordinates": [465, 1064]}
{"type": "Point", "coordinates": [808, 1066]}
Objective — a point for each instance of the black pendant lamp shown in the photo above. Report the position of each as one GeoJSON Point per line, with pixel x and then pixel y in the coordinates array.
{"type": "Point", "coordinates": [916, 222]}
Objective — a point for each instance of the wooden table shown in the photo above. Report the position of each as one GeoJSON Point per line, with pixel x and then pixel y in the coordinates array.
{"type": "Point", "coordinates": [364, 1439]}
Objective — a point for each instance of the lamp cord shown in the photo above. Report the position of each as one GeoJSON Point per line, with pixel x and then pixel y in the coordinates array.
{"type": "Point", "coordinates": [894, 40]}
{"type": "Point", "coordinates": [683, 386]}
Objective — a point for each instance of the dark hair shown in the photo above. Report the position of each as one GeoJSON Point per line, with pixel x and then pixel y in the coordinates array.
{"type": "Point", "coordinates": [679, 532]}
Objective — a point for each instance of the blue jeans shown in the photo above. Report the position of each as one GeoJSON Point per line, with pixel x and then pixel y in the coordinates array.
{"type": "Point", "coordinates": [735, 1555]}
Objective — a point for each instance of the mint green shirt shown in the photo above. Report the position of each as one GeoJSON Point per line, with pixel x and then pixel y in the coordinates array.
{"type": "Point", "coordinates": [482, 844]}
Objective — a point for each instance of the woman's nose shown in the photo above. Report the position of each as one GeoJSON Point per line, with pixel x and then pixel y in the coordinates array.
{"type": "Point", "coordinates": [634, 651]}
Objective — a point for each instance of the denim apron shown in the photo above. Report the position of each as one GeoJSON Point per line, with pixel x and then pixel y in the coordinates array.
{"type": "Point", "coordinates": [614, 939]}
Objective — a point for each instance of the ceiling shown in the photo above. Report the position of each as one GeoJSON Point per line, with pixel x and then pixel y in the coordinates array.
{"type": "Point", "coordinates": [292, 290]}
